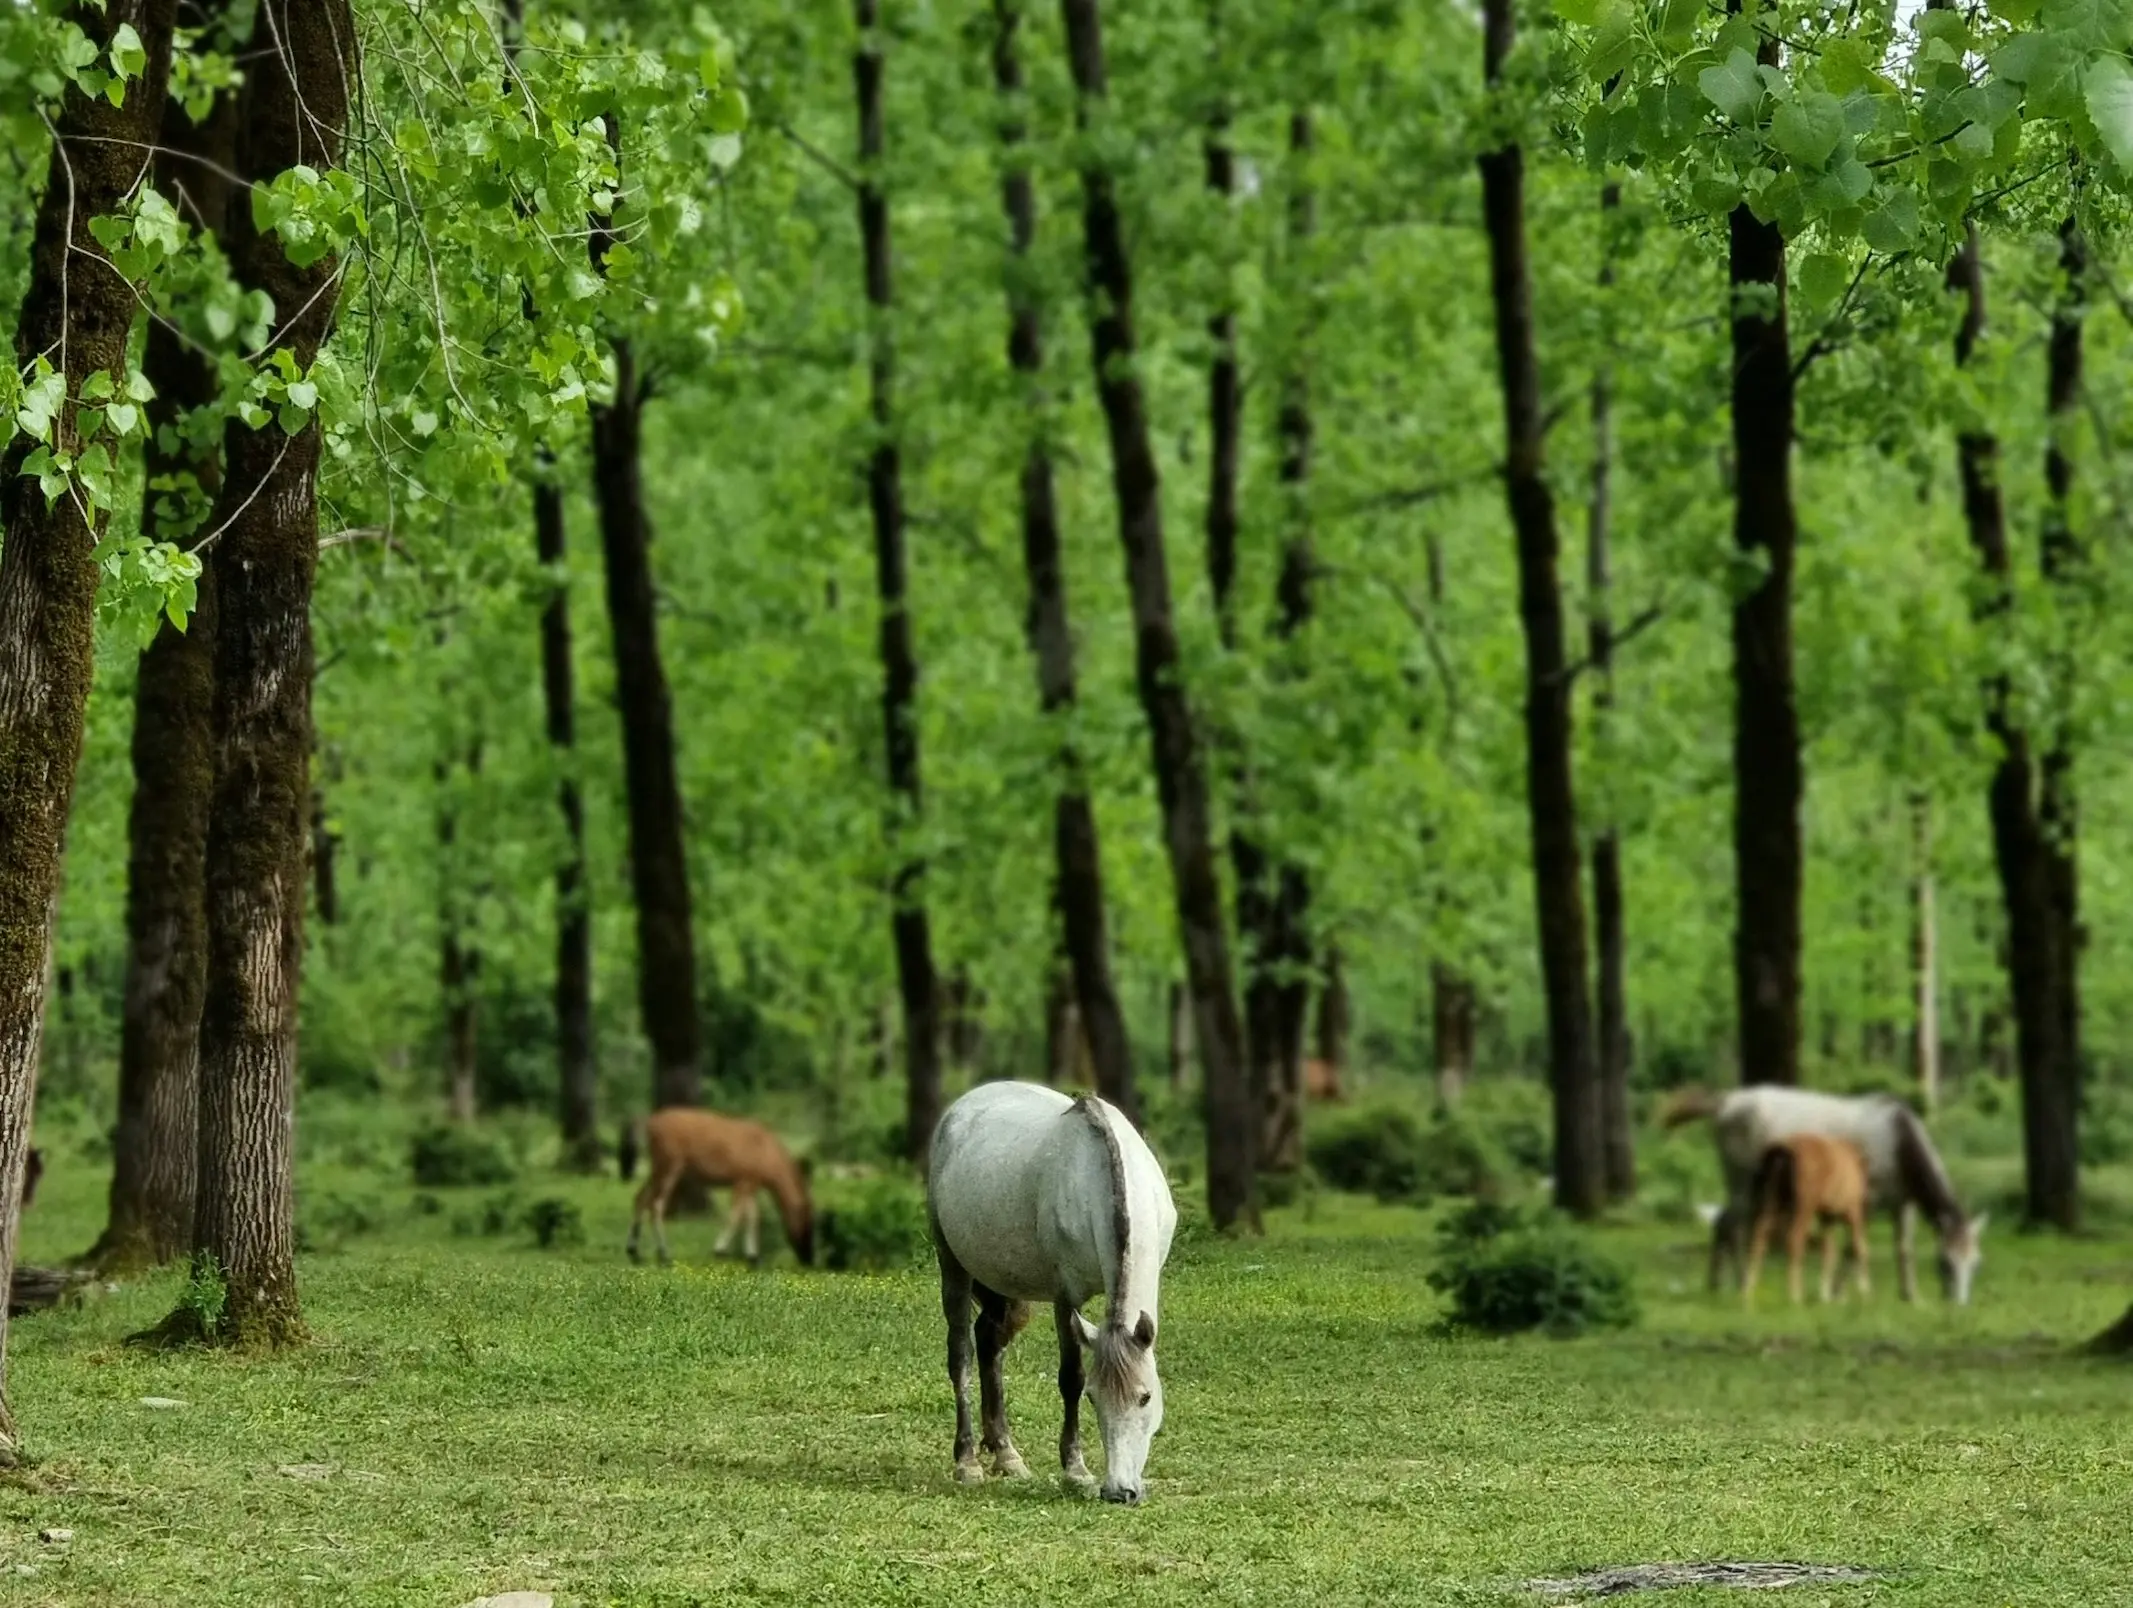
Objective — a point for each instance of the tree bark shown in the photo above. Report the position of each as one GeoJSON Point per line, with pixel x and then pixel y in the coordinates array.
{"type": "Point", "coordinates": [1925, 956]}
{"type": "Point", "coordinates": [1078, 892]}
{"type": "Point", "coordinates": [1766, 730]}
{"type": "Point", "coordinates": [155, 1144]}
{"type": "Point", "coordinates": [78, 310]}
{"type": "Point", "coordinates": [1451, 1031]}
{"type": "Point", "coordinates": [299, 78]}
{"type": "Point", "coordinates": [1617, 1127]}
{"type": "Point", "coordinates": [1180, 768]}
{"type": "Point", "coordinates": [659, 869]}
{"type": "Point", "coordinates": [2021, 844]}
{"type": "Point", "coordinates": [1225, 402]}
{"type": "Point", "coordinates": [2064, 556]}
{"type": "Point", "coordinates": [1580, 1176]}
{"type": "Point", "coordinates": [578, 1071]}
{"type": "Point", "coordinates": [1334, 1013]}
{"type": "Point", "coordinates": [916, 979]}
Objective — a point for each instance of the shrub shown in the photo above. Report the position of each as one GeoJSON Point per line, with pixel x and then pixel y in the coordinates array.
{"type": "Point", "coordinates": [1518, 1118]}
{"type": "Point", "coordinates": [326, 1221]}
{"type": "Point", "coordinates": [443, 1156]}
{"type": "Point", "coordinates": [878, 1227]}
{"type": "Point", "coordinates": [498, 1214]}
{"type": "Point", "coordinates": [1395, 1154]}
{"type": "Point", "coordinates": [555, 1222]}
{"type": "Point", "coordinates": [2106, 1127]}
{"type": "Point", "coordinates": [1507, 1273]}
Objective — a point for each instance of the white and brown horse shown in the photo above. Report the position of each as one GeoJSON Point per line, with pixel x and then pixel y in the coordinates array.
{"type": "Point", "coordinates": [1904, 1172]}
{"type": "Point", "coordinates": [1034, 1197]}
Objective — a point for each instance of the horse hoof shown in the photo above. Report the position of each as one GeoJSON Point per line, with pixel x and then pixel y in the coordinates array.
{"type": "Point", "coordinates": [1078, 1481]}
{"type": "Point", "coordinates": [969, 1473]}
{"type": "Point", "coordinates": [1010, 1466]}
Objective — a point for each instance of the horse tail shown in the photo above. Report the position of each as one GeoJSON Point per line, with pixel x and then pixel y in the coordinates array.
{"type": "Point", "coordinates": [1777, 1180]}
{"type": "Point", "coordinates": [1692, 1104]}
{"type": "Point", "coordinates": [630, 1147]}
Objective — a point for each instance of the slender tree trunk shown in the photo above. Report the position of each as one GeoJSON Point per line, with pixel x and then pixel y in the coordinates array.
{"type": "Point", "coordinates": [1225, 402]}
{"type": "Point", "coordinates": [2021, 844]}
{"type": "Point", "coordinates": [1451, 1031]}
{"type": "Point", "coordinates": [1334, 1013]}
{"type": "Point", "coordinates": [578, 1079]}
{"type": "Point", "coordinates": [299, 78]}
{"type": "Point", "coordinates": [1925, 956]}
{"type": "Point", "coordinates": [1580, 1177]}
{"type": "Point", "coordinates": [458, 955]}
{"type": "Point", "coordinates": [1062, 1026]}
{"type": "Point", "coordinates": [155, 1145]}
{"type": "Point", "coordinates": [325, 847]}
{"type": "Point", "coordinates": [1178, 1042]}
{"type": "Point", "coordinates": [2064, 558]}
{"type": "Point", "coordinates": [915, 976]}
{"type": "Point", "coordinates": [1617, 1128]}
{"type": "Point", "coordinates": [1766, 730]}
{"type": "Point", "coordinates": [1078, 875]}
{"type": "Point", "coordinates": [1180, 767]}
{"type": "Point", "coordinates": [77, 312]}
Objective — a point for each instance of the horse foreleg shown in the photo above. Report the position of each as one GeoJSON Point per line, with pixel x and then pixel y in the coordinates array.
{"type": "Point", "coordinates": [1859, 1274]}
{"type": "Point", "coordinates": [1757, 1245]}
{"type": "Point", "coordinates": [1829, 1262]}
{"type": "Point", "coordinates": [955, 1306]}
{"type": "Point", "coordinates": [1071, 1384]}
{"type": "Point", "coordinates": [662, 1187]}
{"type": "Point", "coordinates": [1906, 1264]}
{"type": "Point", "coordinates": [999, 1321]}
{"type": "Point", "coordinates": [1796, 1255]}
{"type": "Point", "coordinates": [642, 1205]}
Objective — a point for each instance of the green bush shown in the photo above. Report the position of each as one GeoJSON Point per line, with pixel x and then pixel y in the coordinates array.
{"type": "Point", "coordinates": [443, 1156]}
{"type": "Point", "coordinates": [555, 1222]}
{"type": "Point", "coordinates": [1517, 1116]}
{"type": "Point", "coordinates": [324, 1222]}
{"type": "Point", "coordinates": [498, 1214]}
{"type": "Point", "coordinates": [1507, 1273]}
{"type": "Point", "coordinates": [1392, 1152]}
{"type": "Point", "coordinates": [877, 1226]}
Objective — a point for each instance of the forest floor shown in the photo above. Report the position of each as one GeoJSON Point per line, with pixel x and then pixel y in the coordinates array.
{"type": "Point", "coordinates": [479, 1415]}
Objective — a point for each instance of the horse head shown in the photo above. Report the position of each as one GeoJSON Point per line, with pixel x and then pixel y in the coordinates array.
{"type": "Point", "coordinates": [1961, 1251]}
{"type": "Point", "coordinates": [1128, 1394]}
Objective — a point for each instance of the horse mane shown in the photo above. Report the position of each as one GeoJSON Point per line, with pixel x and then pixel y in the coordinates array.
{"type": "Point", "coordinates": [1918, 1164]}
{"type": "Point", "coordinates": [1092, 1110]}
{"type": "Point", "coordinates": [1112, 1359]}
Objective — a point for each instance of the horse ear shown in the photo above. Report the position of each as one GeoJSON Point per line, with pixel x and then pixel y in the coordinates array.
{"type": "Point", "coordinates": [1084, 1330]}
{"type": "Point", "coordinates": [1144, 1331]}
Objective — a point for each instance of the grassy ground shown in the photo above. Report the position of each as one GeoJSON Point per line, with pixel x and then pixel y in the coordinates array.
{"type": "Point", "coordinates": [479, 1415]}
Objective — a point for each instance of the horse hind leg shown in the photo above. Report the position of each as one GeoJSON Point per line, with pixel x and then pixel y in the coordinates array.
{"type": "Point", "coordinates": [662, 1188]}
{"type": "Point", "coordinates": [999, 1321]}
{"type": "Point", "coordinates": [956, 1290]}
{"type": "Point", "coordinates": [1829, 1261]}
{"type": "Point", "coordinates": [1072, 1381]}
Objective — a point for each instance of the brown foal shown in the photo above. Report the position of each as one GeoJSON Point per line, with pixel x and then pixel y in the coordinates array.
{"type": "Point", "coordinates": [1806, 1180]}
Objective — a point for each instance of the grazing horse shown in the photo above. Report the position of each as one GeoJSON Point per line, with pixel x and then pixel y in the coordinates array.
{"type": "Point", "coordinates": [1035, 1197]}
{"type": "Point", "coordinates": [1804, 1181]}
{"type": "Point", "coordinates": [686, 1142]}
{"type": "Point", "coordinates": [1903, 1171]}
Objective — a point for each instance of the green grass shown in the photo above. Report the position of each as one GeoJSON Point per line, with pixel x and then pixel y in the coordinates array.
{"type": "Point", "coordinates": [500, 1417]}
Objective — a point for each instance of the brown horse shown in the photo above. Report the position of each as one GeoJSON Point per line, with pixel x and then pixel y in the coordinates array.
{"type": "Point", "coordinates": [684, 1142]}
{"type": "Point", "coordinates": [1809, 1179]}
{"type": "Point", "coordinates": [1322, 1081]}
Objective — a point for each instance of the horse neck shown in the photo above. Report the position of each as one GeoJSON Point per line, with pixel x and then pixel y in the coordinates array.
{"type": "Point", "coordinates": [1925, 1181]}
{"type": "Point", "coordinates": [781, 1176]}
{"type": "Point", "coordinates": [1117, 1257]}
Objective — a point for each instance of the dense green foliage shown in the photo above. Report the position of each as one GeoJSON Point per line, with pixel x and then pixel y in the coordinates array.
{"type": "Point", "coordinates": [1505, 1272]}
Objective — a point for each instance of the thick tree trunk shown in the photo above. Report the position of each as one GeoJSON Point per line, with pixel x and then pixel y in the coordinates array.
{"type": "Point", "coordinates": [915, 976]}
{"type": "Point", "coordinates": [299, 79]}
{"type": "Point", "coordinates": [1925, 957]}
{"type": "Point", "coordinates": [2022, 848]}
{"type": "Point", "coordinates": [1617, 1128]}
{"type": "Point", "coordinates": [78, 310]}
{"type": "Point", "coordinates": [1451, 1031]}
{"type": "Point", "coordinates": [1580, 1177]}
{"type": "Point", "coordinates": [659, 869]}
{"type": "Point", "coordinates": [1078, 864]}
{"type": "Point", "coordinates": [578, 1071]}
{"type": "Point", "coordinates": [155, 1145]}
{"type": "Point", "coordinates": [1766, 729]}
{"type": "Point", "coordinates": [1180, 767]}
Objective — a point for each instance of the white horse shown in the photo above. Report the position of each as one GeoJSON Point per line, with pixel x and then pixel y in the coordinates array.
{"type": "Point", "coordinates": [1904, 1172]}
{"type": "Point", "coordinates": [1035, 1197]}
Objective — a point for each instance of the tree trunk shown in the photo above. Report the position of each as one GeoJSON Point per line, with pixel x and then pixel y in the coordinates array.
{"type": "Point", "coordinates": [1451, 1031]}
{"type": "Point", "coordinates": [1180, 769]}
{"type": "Point", "coordinates": [1225, 402]}
{"type": "Point", "coordinates": [1077, 855]}
{"type": "Point", "coordinates": [76, 306]}
{"type": "Point", "coordinates": [2022, 848]}
{"type": "Point", "coordinates": [458, 956]}
{"type": "Point", "coordinates": [295, 104]}
{"type": "Point", "coordinates": [1617, 1125]}
{"type": "Point", "coordinates": [659, 870]}
{"type": "Point", "coordinates": [1062, 1028]}
{"type": "Point", "coordinates": [2064, 556]}
{"type": "Point", "coordinates": [155, 1145]}
{"type": "Point", "coordinates": [325, 846]}
{"type": "Point", "coordinates": [1333, 1011]}
{"type": "Point", "coordinates": [1178, 1042]}
{"type": "Point", "coordinates": [578, 1078]}
{"type": "Point", "coordinates": [1580, 1176]}
{"type": "Point", "coordinates": [1925, 957]}
{"type": "Point", "coordinates": [915, 976]}
{"type": "Point", "coordinates": [1766, 729]}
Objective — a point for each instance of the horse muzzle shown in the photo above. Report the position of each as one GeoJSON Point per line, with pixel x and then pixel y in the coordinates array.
{"type": "Point", "coordinates": [1124, 1495]}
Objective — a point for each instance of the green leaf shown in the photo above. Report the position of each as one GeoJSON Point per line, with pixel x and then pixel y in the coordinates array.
{"type": "Point", "coordinates": [1807, 129]}
{"type": "Point", "coordinates": [1894, 227]}
{"type": "Point", "coordinates": [1848, 64]}
{"type": "Point", "coordinates": [729, 110]}
{"type": "Point", "coordinates": [303, 394]}
{"type": "Point", "coordinates": [128, 55]}
{"type": "Point", "coordinates": [1823, 277]}
{"type": "Point", "coordinates": [98, 387]}
{"type": "Point", "coordinates": [2107, 90]}
{"type": "Point", "coordinates": [1733, 86]}
{"type": "Point", "coordinates": [1582, 12]}
{"type": "Point", "coordinates": [1677, 20]}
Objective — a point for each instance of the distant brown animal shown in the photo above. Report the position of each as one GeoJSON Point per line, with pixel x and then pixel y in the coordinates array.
{"type": "Point", "coordinates": [684, 1142]}
{"type": "Point", "coordinates": [1809, 1179]}
{"type": "Point", "coordinates": [1322, 1081]}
